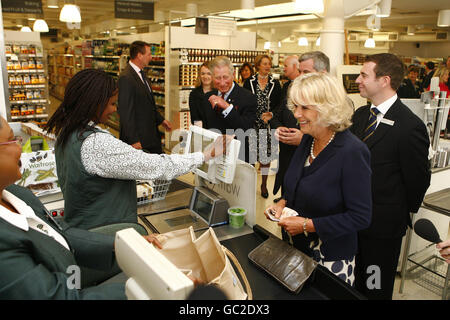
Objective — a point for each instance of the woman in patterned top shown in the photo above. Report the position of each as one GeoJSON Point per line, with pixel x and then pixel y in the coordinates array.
{"type": "Point", "coordinates": [96, 171]}
{"type": "Point", "coordinates": [268, 93]}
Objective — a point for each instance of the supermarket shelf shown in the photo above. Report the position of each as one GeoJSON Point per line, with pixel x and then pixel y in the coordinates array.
{"type": "Point", "coordinates": [101, 57]}
{"type": "Point", "coordinates": [29, 101]}
{"type": "Point", "coordinates": [27, 86]}
{"type": "Point", "coordinates": [27, 71]}
{"type": "Point", "coordinates": [156, 67]}
{"type": "Point", "coordinates": [30, 55]}
{"type": "Point", "coordinates": [158, 91]}
{"type": "Point", "coordinates": [30, 116]}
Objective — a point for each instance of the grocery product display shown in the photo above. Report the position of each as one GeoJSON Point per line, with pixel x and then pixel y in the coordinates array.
{"type": "Point", "coordinates": [27, 80]}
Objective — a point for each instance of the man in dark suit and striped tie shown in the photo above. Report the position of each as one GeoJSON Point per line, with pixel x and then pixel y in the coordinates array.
{"type": "Point", "coordinates": [399, 143]}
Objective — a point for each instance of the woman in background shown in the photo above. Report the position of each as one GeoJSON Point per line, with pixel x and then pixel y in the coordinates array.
{"type": "Point", "coordinates": [204, 85]}
{"type": "Point", "coordinates": [268, 93]}
{"type": "Point", "coordinates": [245, 71]}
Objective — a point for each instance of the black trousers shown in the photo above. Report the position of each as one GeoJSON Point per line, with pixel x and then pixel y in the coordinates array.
{"type": "Point", "coordinates": [375, 254]}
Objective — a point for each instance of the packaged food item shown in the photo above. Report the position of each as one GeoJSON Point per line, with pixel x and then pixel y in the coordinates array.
{"type": "Point", "coordinates": [19, 80]}
{"type": "Point", "coordinates": [26, 79]}
{"type": "Point", "coordinates": [41, 78]}
{"type": "Point", "coordinates": [16, 49]}
{"type": "Point", "coordinates": [39, 64]}
{"type": "Point", "coordinates": [10, 65]}
{"type": "Point", "coordinates": [30, 109]}
{"type": "Point", "coordinates": [17, 65]}
{"type": "Point", "coordinates": [34, 79]}
{"type": "Point", "coordinates": [30, 95]}
{"type": "Point", "coordinates": [8, 49]}
{"type": "Point", "coordinates": [24, 49]}
{"type": "Point", "coordinates": [23, 110]}
{"type": "Point", "coordinates": [24, 65]}
{"type": "Point", "coordinates": [37, 94]}
{"type": "Point", "coordinates": [31, 64]}
{"type": "Point", "coordinates": [31, 49]}
{"type": "Point", "coordinates": [15, 111]}
{"type": "Point", "coordinates": [39, 109]}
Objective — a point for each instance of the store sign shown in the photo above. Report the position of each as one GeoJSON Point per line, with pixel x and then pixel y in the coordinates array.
{"type": "Point", "coordinates": [221, 27]}
{"type": "Point", "coordinates": [137, 10]}
{"type": "Point", "coordinates": [22, 6]}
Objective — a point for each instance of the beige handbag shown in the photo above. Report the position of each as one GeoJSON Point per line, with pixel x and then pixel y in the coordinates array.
{"type": "Point", "coordinates": [205, 259]}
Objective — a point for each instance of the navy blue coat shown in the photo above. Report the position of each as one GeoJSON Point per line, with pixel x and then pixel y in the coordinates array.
{"type": "Point", "coordinates": [334, 191]}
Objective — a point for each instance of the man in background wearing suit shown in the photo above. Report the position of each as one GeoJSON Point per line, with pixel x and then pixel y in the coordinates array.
{"type": "Point", "coordinates": [398, 142]}
{"type": "Point", "coordinates": [229, 106]}
{"type": "Point", "coordinates": [139, 119]}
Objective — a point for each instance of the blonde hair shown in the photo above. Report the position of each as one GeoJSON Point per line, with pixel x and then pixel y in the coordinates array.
{"type": "Point", "coordinates": [440, 73]}
{"type": "Point", "coordinates": [198, 81]}
{"type": "Point", "coordinates": [327, 95]}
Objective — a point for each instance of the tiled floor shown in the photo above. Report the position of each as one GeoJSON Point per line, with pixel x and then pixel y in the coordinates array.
{"type": "Point", "coordinates": [412, 291]}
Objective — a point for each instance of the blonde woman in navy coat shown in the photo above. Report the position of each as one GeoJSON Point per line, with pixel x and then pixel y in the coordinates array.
{"type": "Point", "coordinates": [328, 182]}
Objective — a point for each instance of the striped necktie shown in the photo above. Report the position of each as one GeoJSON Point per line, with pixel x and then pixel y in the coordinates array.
{"type": "Point", "coordinates": [372, 123]}
{"type": "Point", "coordinates": [144, 78]}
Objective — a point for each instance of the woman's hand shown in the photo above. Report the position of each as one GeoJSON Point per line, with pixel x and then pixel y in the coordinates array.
{"type": "Point", "coordinates": [292, 225]}
{"type": "Point", "coordinates": [152, 239]}
{"type": "Point", "coordinates": [444, 250]}
{"type": "Point", "coordinates": [266, 116]}
{"type": "Point", "coordinates": [276, 209]}
{"type": "Point", "coordinates": [218, 147]}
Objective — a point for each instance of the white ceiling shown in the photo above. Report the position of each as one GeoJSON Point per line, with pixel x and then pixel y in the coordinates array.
{"type": "Point", "coordinates": [99, 15]}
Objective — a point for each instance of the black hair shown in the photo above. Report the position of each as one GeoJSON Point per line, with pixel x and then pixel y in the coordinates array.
{"type": "Point", "coordinates": [85, 98]}
{"type": "Point", "coordinates": [137, 47]}
{"type": "Point", "coordinates": [430, 65]}
{"type": "Point", "coordinates": [246, 65]}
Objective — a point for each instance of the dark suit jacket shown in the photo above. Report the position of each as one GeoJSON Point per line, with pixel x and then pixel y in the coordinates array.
{"type": "Point", "coordinates": [283, 117]}
{"type": "Point", "coordinates": [334, 191]}
{"type": "Point", "coordinates": [196, 105]}
{"type": "Point", "coordinates": [408, 91]}
{"type": "Point", "coordinates": [34, 266]}
{"type": "Point", "coordinates": [242, 116]}
{"type": "Point", "coordinates": [139, 119]}
{"type": "Point", "coordinates": [400, 168]}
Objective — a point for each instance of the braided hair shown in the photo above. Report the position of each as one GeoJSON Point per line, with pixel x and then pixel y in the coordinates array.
{"type": "Point", "coordinates": [85, 98]}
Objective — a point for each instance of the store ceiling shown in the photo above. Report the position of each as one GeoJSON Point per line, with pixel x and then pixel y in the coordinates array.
{"type": "Point", "coordinates": [98, 15]}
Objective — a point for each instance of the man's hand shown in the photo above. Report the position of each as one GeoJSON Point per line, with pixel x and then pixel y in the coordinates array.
{"type": "Point", "coordinates": [167, 125]}
{"type": "Point", "coordinates": [444, 250]}
{"type": "Point", "coordinates": [137, 145]}
{"type": "Point", "coordinates": [266, 116]}
{"type": "Point", "coordinates": [217, 101]}
{"type": "Point", "coordinates": [152, 239]}
{"type": "Point", "coordinates": [291, 136]}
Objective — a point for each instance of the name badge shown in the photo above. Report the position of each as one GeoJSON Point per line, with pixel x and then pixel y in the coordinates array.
{"type": "Point", "coordinates": [387, 121]}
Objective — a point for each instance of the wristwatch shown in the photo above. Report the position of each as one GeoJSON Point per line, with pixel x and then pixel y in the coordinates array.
{"type": "Point", "coordinates": [304, 227]}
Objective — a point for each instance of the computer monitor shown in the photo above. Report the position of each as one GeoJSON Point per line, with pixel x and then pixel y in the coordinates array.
{"type": "Point", "coordinates": [219, 168]}
{"type": "Point", "coordinates": [151, 274]}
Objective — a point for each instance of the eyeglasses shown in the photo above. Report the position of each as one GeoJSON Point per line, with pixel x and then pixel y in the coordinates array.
{"type": "Point", "coordinates": [17, 139]}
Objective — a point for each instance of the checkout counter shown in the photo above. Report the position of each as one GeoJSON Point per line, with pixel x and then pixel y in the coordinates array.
{"type": "Point", "coordinates": [205, 205]}
{"type": "Point", "coordinates": [160, 217]}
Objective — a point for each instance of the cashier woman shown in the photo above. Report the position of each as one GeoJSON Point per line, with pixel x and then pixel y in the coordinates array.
{"type": "Point", "coordinates": [97, 172]}
{"type": "Point", "coordinates": [35, 251]}
{"type": "Point", "coordinates": [328, 182]}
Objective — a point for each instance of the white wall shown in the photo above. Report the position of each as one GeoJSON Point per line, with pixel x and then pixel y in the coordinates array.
{"type": "Point", "coordinates": [426, 49]}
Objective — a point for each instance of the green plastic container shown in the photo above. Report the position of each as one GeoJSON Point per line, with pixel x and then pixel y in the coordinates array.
{"type": "Point", "coordinates": [236, 217]}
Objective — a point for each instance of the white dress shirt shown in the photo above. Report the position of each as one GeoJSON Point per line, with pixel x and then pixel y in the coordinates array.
{"type": "Point", "coordinates": [27, 219]}
{"type": "Point", "coordinates": [106, 156]}
{"type": "Point", "coordinates": [384, 107]}
{"type": "Point", "coordinates": [225, 97]}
